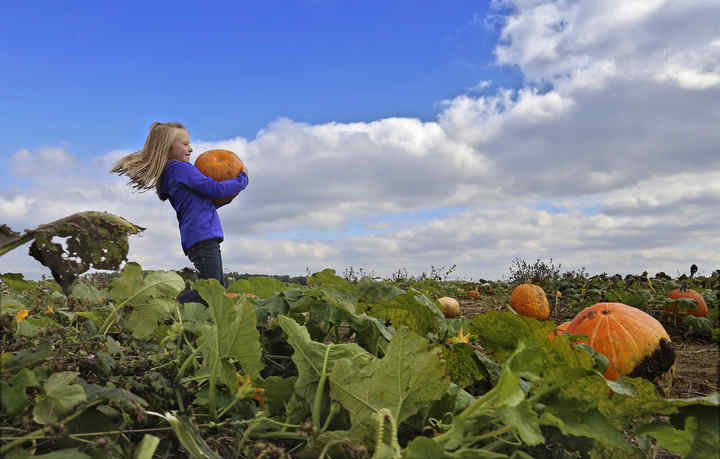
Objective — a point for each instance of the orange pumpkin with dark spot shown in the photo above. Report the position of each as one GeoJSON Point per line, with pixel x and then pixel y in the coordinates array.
{"type": "Point", "coordinates": [220, 165]}
{"type": "Point", "coordinates": [700, 311]}
{"type": "Point", "coordinates": [530, 300]}
{"type": "Point", "coordinates": [634, 342]}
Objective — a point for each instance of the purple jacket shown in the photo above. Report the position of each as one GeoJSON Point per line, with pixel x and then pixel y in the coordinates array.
{"type": "Point", "coordinates": [191, 194]}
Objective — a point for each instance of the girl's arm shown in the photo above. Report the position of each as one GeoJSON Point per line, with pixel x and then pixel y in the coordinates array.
{"type": "Point", "coordinates": [240, 176]}
{"type": "Point", "coordinates": [192, 178]}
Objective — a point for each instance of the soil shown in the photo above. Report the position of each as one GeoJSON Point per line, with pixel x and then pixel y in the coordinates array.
{"type": "Point", "coordinates": [697, 362]}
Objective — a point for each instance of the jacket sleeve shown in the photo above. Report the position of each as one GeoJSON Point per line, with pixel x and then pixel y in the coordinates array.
{"type": "Point", "coordinates": [242, 176]}
{"type": "Point", "coordinates": [189, 176]}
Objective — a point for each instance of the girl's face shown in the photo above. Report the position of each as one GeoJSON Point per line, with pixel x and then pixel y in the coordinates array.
{"type": "Point", "coordinates": [181, 149]}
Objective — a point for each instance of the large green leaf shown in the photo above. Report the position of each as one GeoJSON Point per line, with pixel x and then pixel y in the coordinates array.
{"type": "Point", "coordinates": [695, 428]}
{"type": "Point", "coordinates": [17, 282]}
{"type": "Point", "coordinates": [410, 376]}
{"type": "Point", "coordinates": [13, 396]}
{"type": "Point", "coordinates": [152, 298]}
{"type": "Point", "coordinates": [414, 310]}
{"type": "Point", "coordinates": [232, 336]}
{"type": "Point", "coordinates": [60, 397]}
{"type": "Point", "coordinates": [309, 355]}
{"type": "Point", "coordinates": [500, 332]}
{"type": "Point", "coordinates": [262, 286]}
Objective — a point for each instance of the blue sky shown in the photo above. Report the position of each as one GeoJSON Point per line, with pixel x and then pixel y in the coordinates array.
{"type": "Point", "coordinates": [380, 135]}
{"type": "Point", "coordinates": [92, 75]}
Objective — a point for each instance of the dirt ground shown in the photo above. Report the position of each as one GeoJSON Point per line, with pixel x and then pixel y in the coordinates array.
{"type": "Point", "coordinates": [697, 364]}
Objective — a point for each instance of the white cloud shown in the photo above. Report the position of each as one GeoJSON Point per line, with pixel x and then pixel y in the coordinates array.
{"type": "Point", "coordinates": [41, 163]}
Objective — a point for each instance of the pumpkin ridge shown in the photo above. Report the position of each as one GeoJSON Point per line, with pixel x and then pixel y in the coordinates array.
{"type": "Point", "coordinates": [631, 339]}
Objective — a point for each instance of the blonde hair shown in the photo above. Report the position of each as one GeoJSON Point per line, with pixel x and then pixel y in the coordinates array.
{"type": "Point", "coordinates": [145, 167]}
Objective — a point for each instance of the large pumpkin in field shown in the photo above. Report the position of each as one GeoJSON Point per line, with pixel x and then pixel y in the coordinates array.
{"type": "Point", "coordinates": [634, 342]}
{"type": "Point", "coordinates": [700, 311]}
{"type": "Point", "coordinates": [220, 165]}
{"type": "Point", "coordinates": [530, 300]}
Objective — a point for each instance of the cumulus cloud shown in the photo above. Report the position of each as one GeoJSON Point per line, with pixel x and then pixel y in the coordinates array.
{"type": "Point", "coordinates": [606, 158]}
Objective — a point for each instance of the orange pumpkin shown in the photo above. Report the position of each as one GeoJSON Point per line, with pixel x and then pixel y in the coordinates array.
{"type": "Point", "coordinates": [700, 311]}
{"type": "Point", "coordinates": [634, 342]}
{"type": "Point", "coordinates": [530, 300]}
{"type": "Point", "coordinates": [220, 165]}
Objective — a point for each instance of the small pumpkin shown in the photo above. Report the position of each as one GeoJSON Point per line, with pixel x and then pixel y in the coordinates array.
{"type": "Point", "coordinates": [700, 311]}
{"type": "Point", "coordinates": [530, 300]}
{"type": "Point", "coordinates": [449, 306]}
{"type": "Point", "coordinates": [633, 341]}
{"type": "Point", "coordinates": [220, 165]}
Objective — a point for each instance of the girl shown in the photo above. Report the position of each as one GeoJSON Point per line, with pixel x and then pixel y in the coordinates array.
{"type": "Point", "coordinates": [164, 164]}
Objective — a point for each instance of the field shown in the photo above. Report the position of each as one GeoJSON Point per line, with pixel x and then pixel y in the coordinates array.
{"type": "Point", "coordinates": [110, 365]}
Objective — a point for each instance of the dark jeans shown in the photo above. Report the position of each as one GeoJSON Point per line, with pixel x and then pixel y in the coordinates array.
{"type": "Point", "coordinates": [206, 257]}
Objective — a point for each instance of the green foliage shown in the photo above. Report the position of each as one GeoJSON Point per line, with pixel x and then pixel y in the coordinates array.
{"type": "Point", "coordinates": [337, 367]}
{"type": "Point", "coordinates": [151, 297]}
{"type": "Point", "coordinates": [262, 286]}
{"type": "Point", "coordinates": [411, 375]}
{"type": "Point", "coordinates": [231, 337]}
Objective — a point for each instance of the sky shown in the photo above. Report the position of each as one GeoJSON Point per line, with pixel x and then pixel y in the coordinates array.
{"type": "Point", "coordinates": [380, 136]}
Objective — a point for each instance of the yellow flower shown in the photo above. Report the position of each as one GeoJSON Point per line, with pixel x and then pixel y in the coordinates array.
{"type": "Point", "coordinates": [259, 391]}
{"type": "Point", "coordinates": [49, 309]}
{"type": "Point", "coordinates": [460, 338]}
{"type": "Point", "coordinates": [21, 315]}
{"type": "Point", "coordinates": [463, 338]}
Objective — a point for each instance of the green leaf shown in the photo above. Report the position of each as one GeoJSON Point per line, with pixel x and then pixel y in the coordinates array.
{"type": "Point", "coordinates": [424, 448]}
{"type": "Point", "coordinates": [499, 332]}
{"type": "Point", "coordinates": [67, 395]}
{"type": "Point", "coordinates": [68, 453]}
{"type": "Point", "coordinates": [27, 358]}
{"type": "Point", "coordinates": [278, 392]}
{"type": "Point", "coordinates": [234, 334]}
{"type": "Point", "coordinates": [262, 286]}
{"type": "Point", "coordinates": [308, 357]}
{"type": "Point", "coordinates": [410, 376]}
{"type": "Point", "coordinates": [82, 291]}
{"type": "Point", "coordinates": [701, 326]}
{"type": "Point", "coordinates": [60, 397]}
{"type": "Point", "coordinates": [695, 429]}
{"type": "Point", "coordinates": [17, 282]}
{"type": "Point", "coordinates": [119, 396]}
{"type": "Point", "coordinates": [147, 447]}
{"type": "Point", "coordinates": [152, 297]}
{"type": "Point", "coordinates": [327, 277]}
{"type": "Point", "coordinates": [414, 310]}
{"type": "Point", "coordinates": [144, 318]}
{"type": "Point", "coordinates": [13, 396]}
